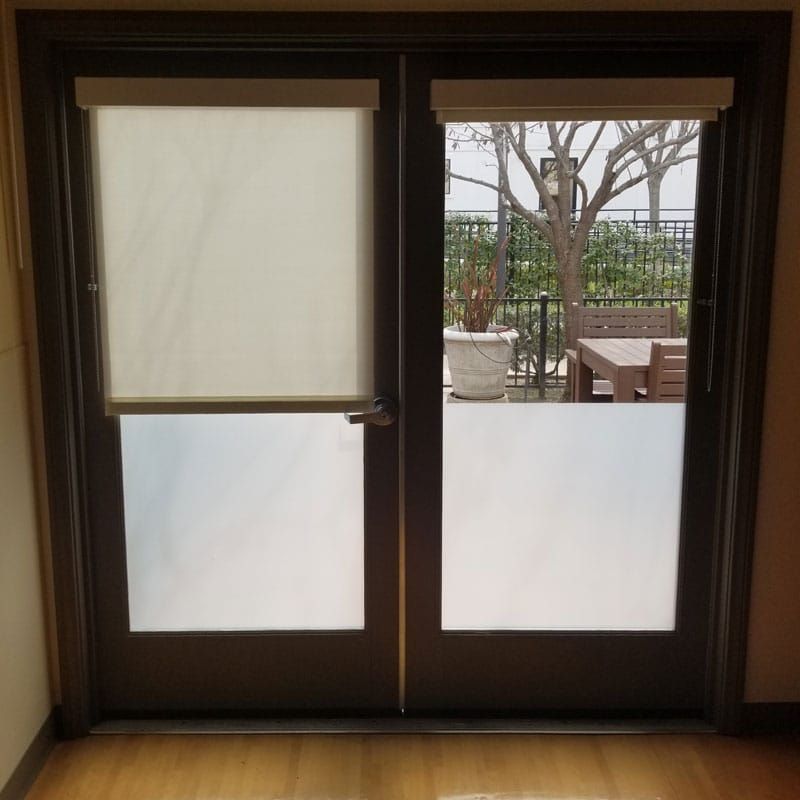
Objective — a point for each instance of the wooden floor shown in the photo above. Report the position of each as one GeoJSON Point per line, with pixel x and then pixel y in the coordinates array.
{"type": "Point", "coordinates": [412, 767]}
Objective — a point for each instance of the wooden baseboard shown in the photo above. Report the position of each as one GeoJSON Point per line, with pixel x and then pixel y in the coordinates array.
{"type": "Point", "coordinates": [771, 717]}
{"type": "Point", "coordinates": [401, 725]}
{"type": "Point", "coordinates": [32, 761]}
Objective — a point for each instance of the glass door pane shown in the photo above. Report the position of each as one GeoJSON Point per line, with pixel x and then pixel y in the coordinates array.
{"type": "Point", "coordinates": [576, 532]}
{"type": "Point", "coordinates": [228, 241]}
{"type": "Point", "coordinates": [562, 504]}
{"type": "Point", "coordinates": [244, 522]}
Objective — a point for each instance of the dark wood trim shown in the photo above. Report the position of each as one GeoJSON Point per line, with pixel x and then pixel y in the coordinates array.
{"type": "Point", "coordinates": [62, 407]}
{"type": "Point", "coordinates": [771, 718]}
{"type": "Point", "coordinates": [756, 173]}
{"type": "Point", "coordinates": [760, 37]}
{"type": "Point", "coordinates": [412, 31]}
{"type": "Point", "coordinates": [32, 761]}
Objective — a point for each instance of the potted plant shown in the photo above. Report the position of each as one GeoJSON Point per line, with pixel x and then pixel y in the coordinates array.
{"type": "Point", "coordinates": [478, 352]}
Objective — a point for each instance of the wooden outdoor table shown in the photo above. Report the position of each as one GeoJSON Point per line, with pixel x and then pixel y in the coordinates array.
{"type": "Point", "coordinates": [624, 362]}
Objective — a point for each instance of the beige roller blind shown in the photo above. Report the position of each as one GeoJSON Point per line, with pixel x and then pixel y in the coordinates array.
{"type": "Point", "coordinates": [235, 252]}
{"type": "Point", "coordinates": [567, 100]}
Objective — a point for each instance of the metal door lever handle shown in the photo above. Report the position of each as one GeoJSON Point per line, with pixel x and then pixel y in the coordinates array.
{"type": "Point", "coordinates": [384, 412]}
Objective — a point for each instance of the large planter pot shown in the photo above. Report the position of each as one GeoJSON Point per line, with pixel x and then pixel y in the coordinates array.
{"type": "Point", "coordinates": [479, 361]}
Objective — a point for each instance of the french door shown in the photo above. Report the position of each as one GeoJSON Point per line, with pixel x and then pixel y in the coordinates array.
{"type": "Point", "coordinates": [236, 235]}
{"type": "Point", "coordinates": [238, 251]}
{"type": "Point", "coordinates": [244, 533]}
{"type": "Point", "coordinates": [558, 553]}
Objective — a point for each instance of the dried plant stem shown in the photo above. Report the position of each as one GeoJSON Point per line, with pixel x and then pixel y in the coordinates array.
{"type": "Point", "coordinates": [476, 308]}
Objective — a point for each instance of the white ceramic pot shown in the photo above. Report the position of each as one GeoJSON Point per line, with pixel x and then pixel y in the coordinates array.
{"type": "Point", "coordinates": [479, 361]}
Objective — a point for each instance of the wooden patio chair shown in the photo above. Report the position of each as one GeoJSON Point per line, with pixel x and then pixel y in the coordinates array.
{"type": "Point", "coordinates": [638, 322]}
{"type": "Point", "coordinates": [666, 376]}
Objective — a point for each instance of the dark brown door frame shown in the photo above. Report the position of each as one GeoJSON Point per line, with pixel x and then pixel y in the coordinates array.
{"type": "Point", "coordinates": [582, 673]}
{"type": "Point", "coordinates": [277, 672]}
{"type": "Point", "coordinates": [745, 245]}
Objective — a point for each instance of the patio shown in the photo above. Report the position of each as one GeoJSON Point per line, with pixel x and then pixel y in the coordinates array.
{"type": "Point", "coordinates": [629, 263]}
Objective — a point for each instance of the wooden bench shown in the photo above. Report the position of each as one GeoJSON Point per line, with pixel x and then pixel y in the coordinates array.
{"type": "Point", "coordinates": [637, 322]}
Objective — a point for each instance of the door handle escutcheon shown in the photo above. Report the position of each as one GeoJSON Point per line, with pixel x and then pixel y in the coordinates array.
{"type": "Point", "coordinates": [384, 412]}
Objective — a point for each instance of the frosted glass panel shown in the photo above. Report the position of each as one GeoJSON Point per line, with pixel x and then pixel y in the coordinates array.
{"type": "Point", "coordinates": [244, 522]}
{"type": "Point", "coordinates": [235, 250]}
{"type": "Point", "coordinates": [561, 516]}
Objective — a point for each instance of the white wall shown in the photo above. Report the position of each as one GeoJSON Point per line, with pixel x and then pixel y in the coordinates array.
{"type": "Point", "coordinates": [677, 190]}
{"type": "Point", "coordinates": [24, 685]}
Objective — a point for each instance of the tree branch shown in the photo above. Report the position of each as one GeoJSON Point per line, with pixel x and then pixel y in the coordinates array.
{"type": "Point", "coordinates": [476, 181]}
{"type": "Point", "coordinates": [517, 206]}
{"type": "Point", "coordinates": [642, 133]}
{"type": "Point", "coordinates": [640, 156]}
{"type": "Point", "coordinates": [618, 190]}
{"type": "Point", "coordinates": [518, 145]}
{"type": "Point", "coordinates": [591, 147]}
{"type": "Point", "coordinates": [584, 191]}
{"type": "Point", "coordinates": [570, 137]}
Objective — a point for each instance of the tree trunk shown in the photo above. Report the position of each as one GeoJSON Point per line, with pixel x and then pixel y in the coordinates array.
{"type": "Point", "coordinates": [502, 232]}
{"type": "Point", "coordinates": [654, 192]}
{"type": "Point", "coordinates": [570, 276]}
{"type": "Point", "coordinates": [502, 224]}
{"type": "Point", "coordinates": [572, 291]}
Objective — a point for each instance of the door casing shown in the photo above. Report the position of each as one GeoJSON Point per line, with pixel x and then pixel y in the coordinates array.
{"type": "Point", "coordinates": [744, 242]}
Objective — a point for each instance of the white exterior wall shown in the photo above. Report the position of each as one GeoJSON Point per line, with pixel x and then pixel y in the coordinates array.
{"type": "Point", "coordinates": [677, 189]}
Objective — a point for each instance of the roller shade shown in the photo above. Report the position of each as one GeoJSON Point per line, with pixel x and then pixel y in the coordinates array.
{"type": "Point", "coordinates": [234, 247]}
{"type": "Point", "coordinates": [577, 99]}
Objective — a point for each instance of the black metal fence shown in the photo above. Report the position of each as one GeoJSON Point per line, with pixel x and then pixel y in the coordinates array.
{"type": "Point", "coordinates": [623, 258]}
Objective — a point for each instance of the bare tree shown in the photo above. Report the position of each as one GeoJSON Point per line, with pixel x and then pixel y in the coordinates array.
{"type": "Point", "coordinates": [567, 233]}
{"type": "Point", "coordinates": [680, 133]}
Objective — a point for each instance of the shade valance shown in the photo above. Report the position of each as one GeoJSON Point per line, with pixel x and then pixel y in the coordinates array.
{"type": "Point", "coordinates": [103, 92]}
{"type": "Point", "coordinates": [574, 99]}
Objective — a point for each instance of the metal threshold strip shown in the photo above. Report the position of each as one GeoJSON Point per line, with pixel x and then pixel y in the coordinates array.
{"type": "Point", "coordinates": [398, 725]}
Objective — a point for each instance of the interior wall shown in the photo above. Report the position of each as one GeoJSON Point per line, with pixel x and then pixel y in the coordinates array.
{"type": "Point", "coordinates": [773, 658]}
{"type": "Point", "coordinates": [773, 671]}
{"type": "Point", "coordinates": [25, 695]}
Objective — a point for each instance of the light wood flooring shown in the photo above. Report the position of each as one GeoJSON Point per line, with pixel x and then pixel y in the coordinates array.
{"type": "Point", "coordinates": [417, 767]}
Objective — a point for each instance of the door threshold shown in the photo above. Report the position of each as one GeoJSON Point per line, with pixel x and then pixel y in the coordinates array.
{"type": "Point", "coordinates": [399, 725]}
